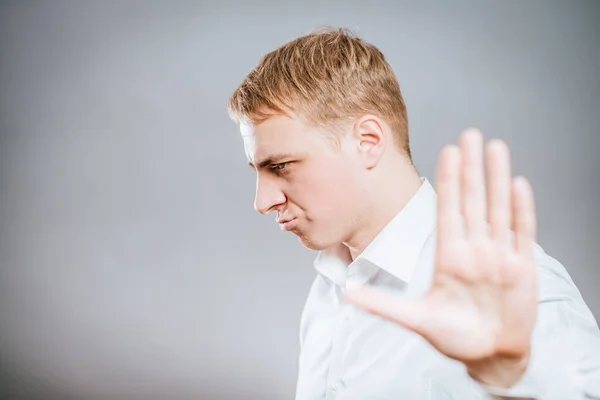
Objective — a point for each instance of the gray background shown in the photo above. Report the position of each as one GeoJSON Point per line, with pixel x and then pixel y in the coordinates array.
{"type": "Point", "coordinates": [132, 262]}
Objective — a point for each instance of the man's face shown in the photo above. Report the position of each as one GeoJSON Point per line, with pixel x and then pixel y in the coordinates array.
{"type": "Point", "coordinates": [310, 183]}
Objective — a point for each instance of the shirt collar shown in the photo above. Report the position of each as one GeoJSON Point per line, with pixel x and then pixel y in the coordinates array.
{"type": "Point", "coordinates": [395, 249]}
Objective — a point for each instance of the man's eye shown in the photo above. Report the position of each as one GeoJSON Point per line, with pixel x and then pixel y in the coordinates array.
{"type": "Point", "coordinates": [279, 167]}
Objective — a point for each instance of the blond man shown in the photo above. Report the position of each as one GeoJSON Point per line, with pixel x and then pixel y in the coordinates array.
{"type": "Point", "coordinates": [472, 306]}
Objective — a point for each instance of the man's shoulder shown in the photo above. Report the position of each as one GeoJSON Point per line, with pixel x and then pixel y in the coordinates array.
{"type": "Point", "coordinates": [557, 290]}
{"type": "Point", "coordinates": [554, 279]}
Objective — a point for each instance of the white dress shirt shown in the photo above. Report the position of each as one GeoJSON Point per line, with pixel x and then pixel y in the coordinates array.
{"type": "Point", "coordinates": [347, 353]}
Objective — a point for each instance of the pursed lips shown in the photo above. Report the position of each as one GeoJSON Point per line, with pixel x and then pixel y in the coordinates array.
{"type": "Point", "coordinates": [286, 223]}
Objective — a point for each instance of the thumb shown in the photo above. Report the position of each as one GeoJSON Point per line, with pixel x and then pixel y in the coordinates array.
{"type": "Point", "coordinates": [408, 313]}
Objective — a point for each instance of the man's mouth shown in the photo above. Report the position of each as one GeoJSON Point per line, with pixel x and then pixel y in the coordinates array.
{"type": "Point", "coordinates": [287, 224]}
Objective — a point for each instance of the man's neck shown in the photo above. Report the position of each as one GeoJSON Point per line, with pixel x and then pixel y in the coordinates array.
{"type": "Point", "coordinates": [385, 206]}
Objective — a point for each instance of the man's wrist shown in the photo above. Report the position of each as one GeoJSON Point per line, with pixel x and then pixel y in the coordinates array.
{"type": "Point", "coordinates": [499, 372]}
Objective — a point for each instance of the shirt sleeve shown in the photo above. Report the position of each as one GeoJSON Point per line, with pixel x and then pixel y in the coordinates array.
{"type": "Point", "coordinates": [565, 359]}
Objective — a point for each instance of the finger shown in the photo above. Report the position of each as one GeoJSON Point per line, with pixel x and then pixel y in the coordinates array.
{"type": "Point", "coordinates": [523, 216]}
{"type": "Point", "coordinates": [472, 182]}
{"type": "Point", "coordinates": [448, 192]}
{"type": "Point", "coordinates": [499, 190]}
{"type": "Point", "coordinates": [406, 313]}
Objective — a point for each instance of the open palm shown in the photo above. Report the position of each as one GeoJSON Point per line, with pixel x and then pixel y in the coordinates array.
{"type": "Point", "coordinates": [482, 302]}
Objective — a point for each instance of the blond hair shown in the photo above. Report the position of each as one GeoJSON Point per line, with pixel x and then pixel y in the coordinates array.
{"type": "Point", "coordinates": [327, 77]}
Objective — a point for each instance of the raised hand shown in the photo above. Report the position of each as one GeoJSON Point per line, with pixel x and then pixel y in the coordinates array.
{"type": "Point", "coordinates": [481, 307]}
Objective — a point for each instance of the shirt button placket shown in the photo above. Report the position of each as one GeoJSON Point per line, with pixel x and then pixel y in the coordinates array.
{"type": "Point", "coordinates": [335, 385]}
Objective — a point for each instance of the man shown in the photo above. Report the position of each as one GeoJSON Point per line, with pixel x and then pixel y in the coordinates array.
{"type": "Point", "coordinates": [473, 307]}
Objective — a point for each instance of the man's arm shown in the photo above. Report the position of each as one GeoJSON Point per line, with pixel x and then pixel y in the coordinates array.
{"type": "Point", "coordinates": [565, 357]}
{"type": "Point", "coordinates": [483, 307]}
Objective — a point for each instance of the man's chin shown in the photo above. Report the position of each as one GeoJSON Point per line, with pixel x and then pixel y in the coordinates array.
{"type": "Point", "coordinates": [311, 244]}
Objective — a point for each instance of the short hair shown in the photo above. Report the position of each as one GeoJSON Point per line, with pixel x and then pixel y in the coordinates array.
{"type": "Point", "coordinates": [327, 77]}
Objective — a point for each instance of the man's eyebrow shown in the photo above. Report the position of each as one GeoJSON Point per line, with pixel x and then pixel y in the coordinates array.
{"type": "Point", "coordinates": [273, 159]}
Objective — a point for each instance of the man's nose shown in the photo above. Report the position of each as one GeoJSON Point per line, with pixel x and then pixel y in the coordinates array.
{"type": "Point", "coordinates": [268, 196]}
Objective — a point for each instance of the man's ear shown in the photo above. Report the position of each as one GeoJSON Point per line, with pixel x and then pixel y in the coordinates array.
{"type": "Point", "coordinates": [370, 138]}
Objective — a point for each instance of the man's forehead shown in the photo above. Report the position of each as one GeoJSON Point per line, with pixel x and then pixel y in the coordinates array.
{"type": "Point", "coordinates": [264, 135]}
{"type": "Point", "coordinates": [252, 148]}
{"type": "Point", "coordinates": [246, 129]}
{"type": "Point", "coordinates": [267, 143]}
{"type": "Point", "coordinates": [248, 136]}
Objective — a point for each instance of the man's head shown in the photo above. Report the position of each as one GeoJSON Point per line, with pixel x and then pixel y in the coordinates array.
{"type": "Point", "coordinates": [324, 123]}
